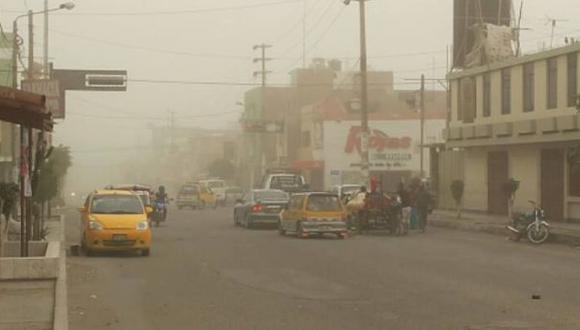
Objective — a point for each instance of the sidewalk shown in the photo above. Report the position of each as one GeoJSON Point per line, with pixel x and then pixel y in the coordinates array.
{"type": "Point", "coordinates": [562, 233]}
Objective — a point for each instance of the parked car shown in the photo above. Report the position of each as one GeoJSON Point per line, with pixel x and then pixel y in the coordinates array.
{"type": "Point", "coordinates": [260, 207]}
{"type": "Point", "coordinates": [115, 220]}
{"type": "Point", "coordinates": [314, 214]}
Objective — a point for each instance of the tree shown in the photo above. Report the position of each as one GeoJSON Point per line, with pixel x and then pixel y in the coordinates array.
{"type": "Point", "coordinates": [47, 180]}
{"type": "Point", "coordinates": [222, 168]}
{"type": "Point", "coordinates": [457, 189]}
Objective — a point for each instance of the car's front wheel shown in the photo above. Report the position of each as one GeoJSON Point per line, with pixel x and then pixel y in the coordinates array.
{"type": "Point", "coordinates": [146, 252]}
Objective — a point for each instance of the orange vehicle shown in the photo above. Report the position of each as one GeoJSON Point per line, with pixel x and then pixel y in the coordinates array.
{"type": "Point", "coordinates": [115, 220]}
{"type": "Point", "coordinates": [311, 214]}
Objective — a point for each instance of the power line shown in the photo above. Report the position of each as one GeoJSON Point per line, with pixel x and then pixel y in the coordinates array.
{"type": "Point", "coordinates": [317, 42]}
{"type": "Point", "coordinates": [176, 12]}
{"type": "Point", "coordinates": [151, 49]}
{"type": "Point", "coordinates": [313, 27]}
{"type": "Point", "coordinates": [227, 83]}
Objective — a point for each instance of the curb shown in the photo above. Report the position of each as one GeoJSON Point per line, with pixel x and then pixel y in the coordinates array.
{"type": "Point", "coordinates": [556, 236]}
{"type": "Point", "coordinates": [60, 300]}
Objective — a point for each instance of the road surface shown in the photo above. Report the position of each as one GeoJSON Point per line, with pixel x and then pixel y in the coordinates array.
{"type": "Point", "coordinates": [204, 273]}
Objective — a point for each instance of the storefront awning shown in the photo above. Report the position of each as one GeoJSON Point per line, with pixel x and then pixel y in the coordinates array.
{"type": "Point", "coordinates": [25, 109]}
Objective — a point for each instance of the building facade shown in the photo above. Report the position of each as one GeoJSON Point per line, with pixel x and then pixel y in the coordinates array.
{"type": "Point", "coordinates": [515, 119]}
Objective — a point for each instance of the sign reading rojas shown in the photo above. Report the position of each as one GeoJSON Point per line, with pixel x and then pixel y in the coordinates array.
{"type": "Point", "coordinates": [393, 144]}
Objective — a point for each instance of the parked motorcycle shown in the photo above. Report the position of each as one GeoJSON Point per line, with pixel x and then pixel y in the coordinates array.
{"type": "Point", "coordinates": [159, 213]}
{"type": "Point", "coordinates": [533, 225]}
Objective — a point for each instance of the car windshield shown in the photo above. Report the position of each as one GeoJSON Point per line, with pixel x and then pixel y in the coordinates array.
{"type": "Point", "coordinates": [323, 203]}
{"type": "Point", "coordinates": [271, 196]}
{"type": "Point", "coordinates": [116, 204]}
{"type": "Point", "coordinates": [187, 190]}
{"type": "Point", "coordinates": [283, 181]}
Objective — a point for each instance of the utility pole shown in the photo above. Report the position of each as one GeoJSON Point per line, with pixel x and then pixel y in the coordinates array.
{"type": "Point", "coordinates": [422, 125]}
{"type": "Point", "coordinates": [29, 142]}
{"type": "Point", "coordinates": [172, 131]}
{"type": "Point", "coordinates": [263, 73]}
{"type": "Point", "coordinates": [45, 68]}
{"type": "Point", "coordinates": [304, 34]}
{"type": "Point", "coordinates": [365, 166]}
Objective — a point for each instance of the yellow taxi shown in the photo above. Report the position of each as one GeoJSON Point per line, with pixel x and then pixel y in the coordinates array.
{"type": "Point", "coordinates": [115, 220]}
{"type": "Point", "coordinates": [207, 197]}
{"type": "Point", "coordinates": [314, 214]}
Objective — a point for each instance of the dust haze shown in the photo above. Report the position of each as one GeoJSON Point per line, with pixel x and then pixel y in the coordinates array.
{"type": "Point", "coordinates": [111, 134]}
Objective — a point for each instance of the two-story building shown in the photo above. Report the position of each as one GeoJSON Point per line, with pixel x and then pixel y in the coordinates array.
{"type": "Point", "coordinates": [515, 119]}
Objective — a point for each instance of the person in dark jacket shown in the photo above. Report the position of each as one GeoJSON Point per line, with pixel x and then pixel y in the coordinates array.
{"type": "Point", "coordinates": [422, 204]}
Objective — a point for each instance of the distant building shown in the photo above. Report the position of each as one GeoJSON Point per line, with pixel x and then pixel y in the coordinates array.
{"type": "Point", "coordinates": [516, 119]}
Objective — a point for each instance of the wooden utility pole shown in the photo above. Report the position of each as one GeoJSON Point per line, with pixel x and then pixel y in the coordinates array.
{"type": "Point", "coordinates": [422, 142]}
{"type": "Point", "coordinates": [365, 166]}
{"type": "Point", "coordinates": [263, 73]}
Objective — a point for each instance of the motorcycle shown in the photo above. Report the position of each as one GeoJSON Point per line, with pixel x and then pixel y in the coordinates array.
{"type": "Point", "coordinates": [159, 213]}
{"type": "Point", "coordinates": [533, 225]}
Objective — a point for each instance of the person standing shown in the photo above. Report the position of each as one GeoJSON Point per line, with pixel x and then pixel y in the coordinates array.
{"type": "Point", "coordinates": [422, 204]}
{"type": "Point", "coordinates": [405, 204]}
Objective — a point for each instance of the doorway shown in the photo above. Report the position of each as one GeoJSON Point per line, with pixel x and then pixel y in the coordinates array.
{"type": "Point", "coordinates": [552, 183]}
{"type": "Point", "coordinates": [497, 176]}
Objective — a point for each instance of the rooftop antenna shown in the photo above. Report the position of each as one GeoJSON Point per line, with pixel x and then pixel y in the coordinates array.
{"type": "Point", "coordinates": [553, 22]}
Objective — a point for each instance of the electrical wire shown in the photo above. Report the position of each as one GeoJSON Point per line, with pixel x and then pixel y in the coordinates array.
{"type": "Point", "coordinates": [151, 49]}
{"type": "Point", "coordinates": [222, 83]}
{"type": "Point", "coordinates": [177, 12]}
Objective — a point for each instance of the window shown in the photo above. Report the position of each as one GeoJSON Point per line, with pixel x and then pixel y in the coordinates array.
{"type": "Point", "coordinates": [552, 80]}
{"type": "Point", "coordinates": [529, 87]}
{"type": "Point", "coordinates": [572, 79]}
{"type": "Point", "coordinates": [574, 179]}
{"type": "Point", "coordinates": [487, 95]}
{"type": "Point", "coordinates": [116, 204]}
{"type": "Point", "coordinates": [506, 90]}
{"type": "Point", "coordinates": [323, 203]}
{"type": "Point", "coordinates": [306, 139]}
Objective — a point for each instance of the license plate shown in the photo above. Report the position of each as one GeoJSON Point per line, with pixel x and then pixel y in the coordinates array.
{"type": "Point", "coordinates": [119, 237]}
{"type": "Point", "coordinates": [273, 209]}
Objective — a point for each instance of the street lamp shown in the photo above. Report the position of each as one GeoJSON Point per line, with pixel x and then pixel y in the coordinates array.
{"type": "Point", "coordinates": [25, 200]}
{"type": "Point", "coordinates": [365, 168]}
{"type": "Point", "coordinates": [15, 46]}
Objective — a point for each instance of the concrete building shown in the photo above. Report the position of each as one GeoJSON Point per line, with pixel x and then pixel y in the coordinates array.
{"type": "Point", "coordinates": [515, 119]}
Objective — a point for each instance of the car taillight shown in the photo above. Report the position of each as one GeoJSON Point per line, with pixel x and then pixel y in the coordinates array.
{"type": "Point", "coordinates": [257, 208]}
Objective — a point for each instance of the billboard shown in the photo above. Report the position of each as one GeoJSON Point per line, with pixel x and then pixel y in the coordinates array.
{"type": "Point", "coordinates": [467, 13]}
{"type": "Point", "coordinates": [394, 145]}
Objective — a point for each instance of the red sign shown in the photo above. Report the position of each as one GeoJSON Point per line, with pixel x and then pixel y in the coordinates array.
{"type": "Point", "coordinates": [378, 140]}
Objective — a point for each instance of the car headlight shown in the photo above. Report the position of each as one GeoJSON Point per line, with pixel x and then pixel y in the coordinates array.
{"type": "Point", "coordinates": [143, 225]}
{"type": "Point", "coordinates": [94, 225]}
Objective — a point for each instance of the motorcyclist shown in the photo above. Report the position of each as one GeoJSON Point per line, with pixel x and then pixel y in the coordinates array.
{"type": "Point", "coordinates": [161, 197]}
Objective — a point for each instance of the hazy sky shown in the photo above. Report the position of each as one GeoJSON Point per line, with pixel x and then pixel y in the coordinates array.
{"type": "Point", "coordinates": [184, 40]}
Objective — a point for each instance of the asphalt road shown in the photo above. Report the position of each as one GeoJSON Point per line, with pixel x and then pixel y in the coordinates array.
{"type": "Point", "coordinates": [204, 273]}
